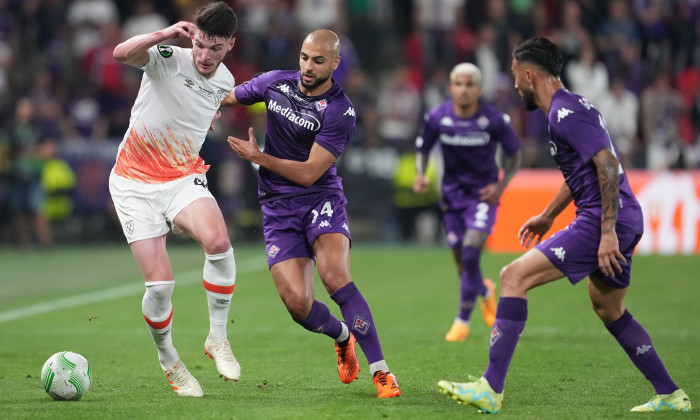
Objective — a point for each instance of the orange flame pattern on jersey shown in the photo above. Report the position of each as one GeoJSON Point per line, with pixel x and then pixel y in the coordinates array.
{"type": "Point", "coordinates": [155, 160]}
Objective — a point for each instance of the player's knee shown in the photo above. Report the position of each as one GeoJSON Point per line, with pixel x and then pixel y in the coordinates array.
{"type": "Point", "coordinates": [217, 244]}
{"type": "Point", "coordinates": [334, 280]}
{"type": "Point", "coordinates": [608, 313]}
{"type": "Point", "coordinates": [157, 296]}
{"type": "Point", "coordinates": [298, 305]}
{"type": "Point", "coordinates": [509, 280]}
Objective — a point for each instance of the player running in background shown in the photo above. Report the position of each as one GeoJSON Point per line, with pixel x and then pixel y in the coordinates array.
{"type": "Point", "coordinates": [599, 243]}
{"type": "Point", "coordinates": [469, 132]}
{"type": "Point", "coordinates": [159, 178]}
{"type": "Point", "coordinates": [309, 123]}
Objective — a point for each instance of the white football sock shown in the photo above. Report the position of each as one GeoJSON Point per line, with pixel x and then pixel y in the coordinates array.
{"type": "Point", "coordinates": [158, 312]}
{"type": "Point", "coordinates": [219, 281]}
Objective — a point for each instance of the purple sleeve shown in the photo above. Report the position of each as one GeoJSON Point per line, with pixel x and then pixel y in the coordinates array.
{"type": "Point", "coordinates": [585, 132]}
{"type": "Point", "coordinates": [338, 127]}
{"type": "Point", "coordinates": [509, 140]}
{"type": "Point", "coordinates": [252, 91]}
{"type": "Point", "coordinates": [430, 134]}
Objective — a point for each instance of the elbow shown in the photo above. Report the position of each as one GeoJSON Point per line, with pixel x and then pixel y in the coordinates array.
{"type": "Point", "coordinates": [307, 180]}
{"type": "Point", "coordinates": [119, 54]}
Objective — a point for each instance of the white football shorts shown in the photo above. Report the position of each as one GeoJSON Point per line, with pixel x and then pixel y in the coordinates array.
{"type": "Point", "coordinates": [145, 210]}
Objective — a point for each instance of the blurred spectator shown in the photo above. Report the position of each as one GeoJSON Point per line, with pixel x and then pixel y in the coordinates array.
{"type": "Point", "coordinates": [23, 168]}
{"type": "Point", "coordinates": [571, 32]}
{"type": "Point", "coordinates": [586, 75]}
{"type": "Point", "coordinates": [361, 95]}
{"type": "Point", "coordinates": [437, 88]}
{"type": "Point", "coordinates": [486, 59]}
{"type": "Point", "coordinates": [399, 107]}
{"type": "Point", "coordinates": [316, 14]}
{"type": "Point", "coordinates": [661, 107]}
{"type": "Point", "coordinates": [620, 109]}
{"type": "Point", "coordinates": [143, 20]}
{"type": "Point", "coordinates": [86, 17]}
{"type": "Point", "coordinates": [437, 22]}
{"type": "Point", "coordinates": [616, 29]}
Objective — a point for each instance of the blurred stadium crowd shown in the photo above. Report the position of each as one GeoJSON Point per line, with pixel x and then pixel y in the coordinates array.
{"type": "Point", "coordinates": [65, 102]}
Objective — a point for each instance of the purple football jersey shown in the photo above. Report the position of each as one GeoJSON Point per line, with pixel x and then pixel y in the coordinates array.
{"type": "Point", "coordinates": [576, 133]}
{"type": "Point", "coordinates": [294, 123]}
{"type": "Point", "coordinates": [468, 149]}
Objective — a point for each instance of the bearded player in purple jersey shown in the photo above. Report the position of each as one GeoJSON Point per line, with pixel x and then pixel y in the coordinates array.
{"type": "Point", "coordinates": [468, 132]}
{"type": "Point", "coordinates": [309, 123]}
{"type": "Point", "coordinates": [598, 244]}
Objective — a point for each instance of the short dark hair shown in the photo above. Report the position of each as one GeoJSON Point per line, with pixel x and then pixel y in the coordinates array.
{"type": "Point", "coordinates": [216, 19]}
{"type": "Point", "coordinates": [542, 52]}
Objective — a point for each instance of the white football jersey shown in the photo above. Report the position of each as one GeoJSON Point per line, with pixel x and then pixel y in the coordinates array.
{"type": "Point", "coordinates": [170, 118]}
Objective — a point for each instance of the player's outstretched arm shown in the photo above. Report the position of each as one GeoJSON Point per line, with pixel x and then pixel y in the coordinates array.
{"type": "Point", "coordinates": [134, 51]}
{"type": "Point", "coordinates": [538, 226]}
{"type": "Point", "coordinates": [607, 167]}
{"type": "Point", "coordinates": [303, 173]}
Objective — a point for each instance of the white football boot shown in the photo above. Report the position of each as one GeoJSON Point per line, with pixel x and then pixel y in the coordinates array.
{"type": "Point", "coordinates": [182, 381]}
{"type": "Point", "coordinates": [226, 363]}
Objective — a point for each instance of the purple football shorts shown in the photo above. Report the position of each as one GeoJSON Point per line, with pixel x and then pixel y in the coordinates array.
{"type": "Point", "coordinates": [291, 225]}
{"type": "Point", "coordinates": [477, 215]}
{"type": "Point", "coordinates": [574, 251]}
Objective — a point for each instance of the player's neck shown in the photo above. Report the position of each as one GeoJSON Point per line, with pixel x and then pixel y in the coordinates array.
{"type": "Point", "coordinates": [318, 90]}
{"type": "Point", "coordinates": [465, 112]}
{"type": "Point", "coordinates": [549, 88]}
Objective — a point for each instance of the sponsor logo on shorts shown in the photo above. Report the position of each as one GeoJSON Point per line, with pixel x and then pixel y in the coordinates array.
{"type": "Point", "coordinates": [496, 335]}
{"type": "Point", "coordinates": [360, 325]}
{"type": "Point", "coordinates": [129, 227]}
{"type": "Point", "coordinates": [451, 238]}
{"type": "Point", "coordinates": [642, 349]}
{"type": "Point", "coordinates": [345, 226]}
{"type": "Point", "coordinates": [324, 224]}
{"type": "Point", "coordinates": [201, 182]}
{"type": "Point", "coordinates": [559, 252]}
{"type": "Point", "coordinates": [272, 252]}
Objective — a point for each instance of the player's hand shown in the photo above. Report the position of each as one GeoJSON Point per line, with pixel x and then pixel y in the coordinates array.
{"type": "Point", "coordinates": [182, 29]}
{"type": "Point", "coordinates": [246, 149]}
{"type": "Point", "coordinates": [534, 229]}
{"type": "Point", "coordinates": [490, 193]}
{"type": "Point", "coordinates": [609, 254]}
{"type": "Point", "coordinates": [216, 117]}
{"type": "Point", "coordinates": [420, 185]}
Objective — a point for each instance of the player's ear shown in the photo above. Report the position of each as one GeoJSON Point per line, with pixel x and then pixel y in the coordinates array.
{"type": "Point", "coordinates": [336, 62]}
{"type": "Point", "coordinates": [231, 42]}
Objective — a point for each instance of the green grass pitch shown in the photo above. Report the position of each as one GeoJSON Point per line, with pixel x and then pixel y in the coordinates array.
{"type": "Point", "coordinates": [566, 366]}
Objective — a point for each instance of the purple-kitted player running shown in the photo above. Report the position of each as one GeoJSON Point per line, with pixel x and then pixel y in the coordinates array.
{"type": "Point", "coordinates": [468, 131]}
{"type": "Point", "coordinates": [599, 243]}
{"type": "Point", "coordinates": [309, 123]}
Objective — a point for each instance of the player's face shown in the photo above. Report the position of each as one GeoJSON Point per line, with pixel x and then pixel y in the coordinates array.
{"type": "Point", "coordinates": [316, 65]}
{"type": "Point", "coordinates": [523, 86]}
{"type": "Point", "coordinates": [464, 90]}
{"type": "Point", "coordinates": [208, 53]}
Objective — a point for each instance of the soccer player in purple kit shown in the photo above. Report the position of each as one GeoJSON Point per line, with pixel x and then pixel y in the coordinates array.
{"type": "Point", "coordinates": [469, 132]}
{"type": "Point", "coordinates": [599, 243]}
{"type": "Point", "coordinates": [309, 123]}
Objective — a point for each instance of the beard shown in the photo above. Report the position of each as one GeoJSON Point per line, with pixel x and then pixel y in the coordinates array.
{"type": "Point", "coordinates": [529, 100]}
{"type": "Point", "coordinates": [318, 81]}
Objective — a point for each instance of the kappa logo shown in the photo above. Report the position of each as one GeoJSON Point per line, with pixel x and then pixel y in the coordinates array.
{"type": "Point", "coordinates": [360, 325]}
{"type": "Point", "coordinates": [345, 226]}
{"type": "Point", "coordinates": [284, 88]}
{"type": "Point", "coordinates": [324, 224]}
{"type": "Point", "coordinates": [129, 227]}
{"type": "Point", "coordinates": [563, 113]}
{"type": "Point", "coordinates": [350, 111]}
{"type": "Point", "coordinates": [642, 349]}
{"type": "Point", "coordinates": [496, 335]}
{"type": "Point", "coordinates": [559, 252]}
{"type": "Point", "coordinates": [273, 251]}
{"type": "Point", "coordinates": [165, 50]}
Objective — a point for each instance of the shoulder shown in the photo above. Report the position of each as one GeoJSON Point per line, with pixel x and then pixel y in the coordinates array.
{"type": "Point", "coordinates": [438, 112]}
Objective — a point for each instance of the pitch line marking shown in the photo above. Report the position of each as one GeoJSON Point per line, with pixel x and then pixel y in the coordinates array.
{"type": "Point", "coordinates": [242, 268]}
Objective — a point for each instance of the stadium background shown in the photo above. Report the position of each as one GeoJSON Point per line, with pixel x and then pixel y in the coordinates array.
{"type": "Point", "coordinates": [638, 61]}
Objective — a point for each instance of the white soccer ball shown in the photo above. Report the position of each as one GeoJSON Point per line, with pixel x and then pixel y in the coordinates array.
{"type": "Point", "coordinates": [66, 376]}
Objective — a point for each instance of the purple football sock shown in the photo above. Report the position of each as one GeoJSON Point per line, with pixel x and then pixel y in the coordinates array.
{"type": "Point", "coordinates": [511, 316]}
{"type": "Point", "coordinates": [637, 344]}
{"type": "Point", "coordinates": [471, 281]}
{"type": "Point", "coordinates": [358, 317]}
{"type": "Point", "coordinates": [320, 320]}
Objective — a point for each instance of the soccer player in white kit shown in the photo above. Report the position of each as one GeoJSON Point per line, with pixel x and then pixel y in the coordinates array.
{"type": "Point", "coordinates": [159, 178]}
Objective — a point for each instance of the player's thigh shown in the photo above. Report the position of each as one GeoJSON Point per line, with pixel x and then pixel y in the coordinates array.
{"type": "Point", "coordinates": [294, 279]}
{"type": "Point", "coordinates": [606, 300]}
{"type": "Point", "coordinates": [152, 259]}
{"type": "Point", "coordinates": [203, 221]}
{"type": "Point", "coordinates": [528, 271]}
{"type": "Point", "coordinates": [332, 251]}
